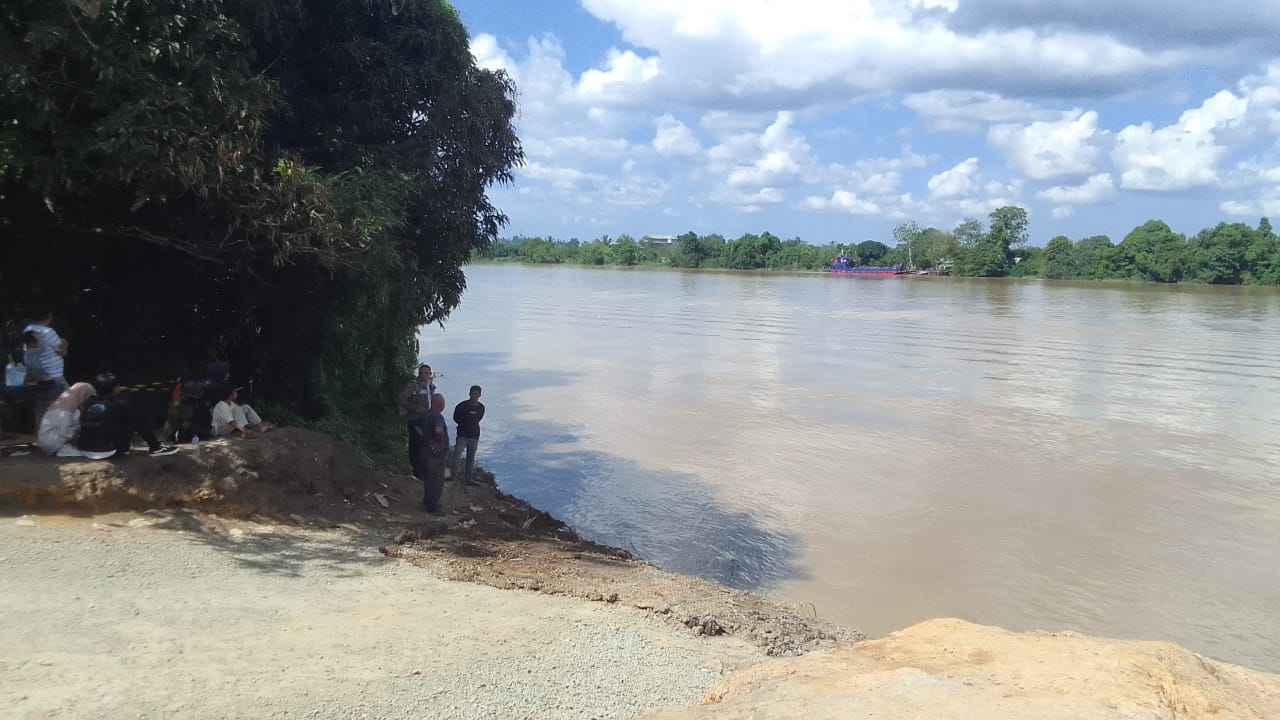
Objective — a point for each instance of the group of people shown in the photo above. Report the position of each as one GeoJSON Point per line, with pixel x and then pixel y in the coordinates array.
{"type": "Point", "coordinates": [430, 454]}
{"type": "Point", "coordinates": [98, 419]}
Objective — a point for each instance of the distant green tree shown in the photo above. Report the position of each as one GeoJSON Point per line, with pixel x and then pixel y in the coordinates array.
{"type": "Point", "coordinates": [1218, 255]}
{"type": "Point", "coordinates": [796, 254]}
{"type": "Point", "coordinates": [1093, 258]}
{"type": "Point", "coordinates": [1153, 252]}
{"type": "Point", "coordinates": [869, 252]}
{"type": "Point", "coordinates": [626, 251]}
{"type": "Point", "coordinates": [1263, 256]}
{"type": "Point", "coordinates": [1059, 259]}
{"type": "Point", "coordinates": [751, 252]}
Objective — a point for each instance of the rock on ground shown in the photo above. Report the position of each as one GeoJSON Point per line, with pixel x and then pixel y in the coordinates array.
{"type": "Point", "coordinates": [953, 670]}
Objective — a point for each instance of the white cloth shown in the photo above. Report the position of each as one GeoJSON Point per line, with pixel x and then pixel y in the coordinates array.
{"type": "Point", "coordinates": [57, 429]}
{"type": "Point", "coordinates": [226, 417]}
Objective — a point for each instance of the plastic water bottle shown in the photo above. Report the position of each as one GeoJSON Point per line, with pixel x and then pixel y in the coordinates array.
{"type": "Point", "coordinates": [15, 374]}
{"type": "Point", "coordinates": [195, 444]}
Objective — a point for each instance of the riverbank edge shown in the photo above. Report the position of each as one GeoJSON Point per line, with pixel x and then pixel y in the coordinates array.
{"type": "Point", "coordinates": [299, 477]}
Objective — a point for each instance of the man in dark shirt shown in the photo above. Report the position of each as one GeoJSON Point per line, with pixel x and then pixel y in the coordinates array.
{"type": "Point", "coordinates": [468, 415]}
{"type": "Point", "coordinates": [430, 450]}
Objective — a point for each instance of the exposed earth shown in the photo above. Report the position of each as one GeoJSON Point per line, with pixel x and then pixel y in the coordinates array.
{"type": "Point", "coordinates": [279, 576]}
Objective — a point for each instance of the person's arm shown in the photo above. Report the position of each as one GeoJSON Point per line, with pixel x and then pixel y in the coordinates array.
{"type": "Point", "coordinates": [441, 438]}
{"type": "Point", "coordinates": [61, 347]}
{"type": "Point", "coordinates": [457, 413]}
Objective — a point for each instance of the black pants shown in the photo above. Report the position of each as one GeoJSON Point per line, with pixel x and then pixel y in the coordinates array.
{"type": "Point", "coordinates": [128, 426]}
{"type": "Point", "coordinates": [432, 480]}
{"type": "Point", "coordinates": [416, 443]}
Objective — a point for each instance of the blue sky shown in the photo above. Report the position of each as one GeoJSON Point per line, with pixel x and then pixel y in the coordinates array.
{"type": "Point", "coordinates": [835, 120]}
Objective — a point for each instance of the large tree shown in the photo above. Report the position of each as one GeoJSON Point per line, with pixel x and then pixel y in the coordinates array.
{"type": "Point", "coordinates": [292, 184]}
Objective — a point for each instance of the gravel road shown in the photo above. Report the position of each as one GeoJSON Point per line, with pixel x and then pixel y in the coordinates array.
{"type": "Point", "coordinates": [171, 616]}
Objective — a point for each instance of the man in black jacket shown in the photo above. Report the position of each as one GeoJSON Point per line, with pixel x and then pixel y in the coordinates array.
{"type": "Point", "coordinates": [110, 419]}
{"type": "Point", "coordinates": [468, 415]}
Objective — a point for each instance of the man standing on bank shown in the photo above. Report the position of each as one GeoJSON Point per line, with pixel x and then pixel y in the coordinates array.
{"type": "Point", "coordinates": [468, 415]}
{"type": "Point", "coordinates": [432, 447]}
{"type": "Point", "coordinates": [414, 402]}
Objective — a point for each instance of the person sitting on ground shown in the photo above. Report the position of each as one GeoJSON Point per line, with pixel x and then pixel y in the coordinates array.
{"type": "Point", "coordinates": [109, 420]}
{"type": "Point", "coordinates": [61, 422]}
{"type": "Point", "coordinates": [230, 417]}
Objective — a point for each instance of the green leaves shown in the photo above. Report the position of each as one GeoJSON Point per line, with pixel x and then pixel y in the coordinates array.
{"type": "Point", "coordinates": [294, 173]}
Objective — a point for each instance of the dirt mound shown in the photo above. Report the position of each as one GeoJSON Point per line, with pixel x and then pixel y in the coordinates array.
{"type": "Point", "coordinates": [289, 471]}
{"type": "Point", "coordinates": [953, 670]}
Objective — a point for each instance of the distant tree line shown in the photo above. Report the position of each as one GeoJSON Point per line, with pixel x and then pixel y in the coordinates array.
{"type": "Point", "coordinates": [1226, 254]}
{"type": "Point", "coordinates": [764, 251]}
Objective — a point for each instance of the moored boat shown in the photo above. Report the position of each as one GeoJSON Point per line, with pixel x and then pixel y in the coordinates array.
{"type": "Point", "coordinates": [844, 265]}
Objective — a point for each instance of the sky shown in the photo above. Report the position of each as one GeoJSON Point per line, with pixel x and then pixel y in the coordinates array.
{"type": "Point", "coordinates": [836, 120]}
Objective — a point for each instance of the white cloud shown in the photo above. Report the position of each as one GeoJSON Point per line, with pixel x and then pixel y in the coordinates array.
{"type": "Point", "coordinates": [746, 199]}
{"type": "Point", "coordinates": [802, 52]}
{"type": "Point", "coordinates": [674, 138]}
{"type": "Point", "coordinates": [561, 178]}
{"type": "Point", "coordinates": [843, 201]}
{"type": "Point", "coordinates": [965, 110]}
{"type": "Point", "coordinates": [1051, 148]}
{"type": "Point", "coordinates": [1096, 189]}
{"type": "Point", "coordinates": [1179, 156]}
{"type": "Point", "coordinates": [959, 181]}
{"type": "Point", "coordinates": [1062, 212]}
{"type": "Point", "coordinates": [622, 78]}
{"type": "Point", "coordinates": [488, 54]}
{"type": "Point", "coordinates": [777, 156]}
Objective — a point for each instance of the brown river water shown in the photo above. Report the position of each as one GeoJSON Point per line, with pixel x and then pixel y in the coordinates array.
{"type": "Point", "coordinates": [878, 451]}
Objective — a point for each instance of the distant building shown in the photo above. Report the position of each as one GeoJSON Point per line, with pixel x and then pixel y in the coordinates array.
{"type": "Point", "coordinates": [659, 239]}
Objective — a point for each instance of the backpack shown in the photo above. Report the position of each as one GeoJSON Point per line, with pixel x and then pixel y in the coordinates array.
{"type": "Point", "coordinates": [98, 423]}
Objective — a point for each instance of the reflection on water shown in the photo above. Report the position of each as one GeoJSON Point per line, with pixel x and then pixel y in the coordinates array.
{"type": "Point", "coordinates": [1094, 457]}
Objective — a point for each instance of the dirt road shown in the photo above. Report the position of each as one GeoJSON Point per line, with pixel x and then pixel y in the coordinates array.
{"type": "Point", "coordinates": [170, 615]}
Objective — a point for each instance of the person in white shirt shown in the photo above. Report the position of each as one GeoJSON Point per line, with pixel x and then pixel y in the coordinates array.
{"type": "Point", "coordinates": [230, 417]}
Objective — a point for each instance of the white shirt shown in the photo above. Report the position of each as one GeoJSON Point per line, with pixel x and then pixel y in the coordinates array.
{"type": "Point", "coordinates": [224, 420]}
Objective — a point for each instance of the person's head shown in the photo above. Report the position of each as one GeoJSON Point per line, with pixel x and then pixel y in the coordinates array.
{"type": "Point", "coordinates": [30, 339]}
{"type": "Point", "coordinates": [231, 394]}
{"type": "Point", "coordinates": [105, 384]}
{"type": "Point", "coordinates": [218, 370]}
{"type": "Point", "coordinates": [437, 402]}
{"type": "Point", "coordinates": [475, 393]}
{"type": "Point", "coordinates": [424, 372]}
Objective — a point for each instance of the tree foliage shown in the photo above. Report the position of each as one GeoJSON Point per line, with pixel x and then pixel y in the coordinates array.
{"type": "Point", "coordinates": [292, 184]}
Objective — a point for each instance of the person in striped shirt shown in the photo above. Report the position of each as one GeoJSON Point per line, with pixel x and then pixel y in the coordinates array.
{"type": "Point", "coordinates": [43, 352]}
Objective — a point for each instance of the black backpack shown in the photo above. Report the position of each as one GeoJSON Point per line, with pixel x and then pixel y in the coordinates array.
{"type": "Point", "coordinates": [98, 424]}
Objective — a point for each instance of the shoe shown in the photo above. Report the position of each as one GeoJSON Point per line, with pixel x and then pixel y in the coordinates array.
{"type": "Point", "coordinates": [163, 450]}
